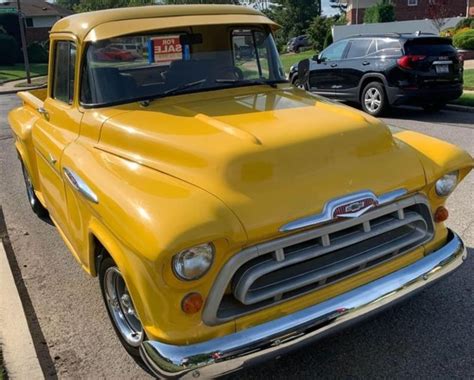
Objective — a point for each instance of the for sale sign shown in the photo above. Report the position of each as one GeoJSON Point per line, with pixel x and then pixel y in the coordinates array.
{"type": "Point", "coordinates": [165, 49]}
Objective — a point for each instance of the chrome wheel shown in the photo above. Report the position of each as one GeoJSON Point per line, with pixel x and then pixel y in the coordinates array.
{"type": "Point", "coordinates": [372, 99]}
{"type": "Point", "coordinates": [121, 308]}
{"type": "Point", "coordinates": [30, 192]}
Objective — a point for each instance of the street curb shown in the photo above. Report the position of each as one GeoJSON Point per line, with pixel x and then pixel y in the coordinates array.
{"type": "Point", "coordinates": [18, 350]}
{"type": "Point", "coordinates": [455, 107]}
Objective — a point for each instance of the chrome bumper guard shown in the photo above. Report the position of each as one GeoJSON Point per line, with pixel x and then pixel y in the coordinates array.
{"type": "Point", "coordinates": [231, 352]}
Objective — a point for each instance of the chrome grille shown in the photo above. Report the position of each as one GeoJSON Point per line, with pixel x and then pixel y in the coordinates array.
{"type": "Point", "coordinates": [288, 267]}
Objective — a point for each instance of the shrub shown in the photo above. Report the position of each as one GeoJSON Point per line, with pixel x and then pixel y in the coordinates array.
{"type": "Point", "coordinates": [465, 23]}
{"type": "Point", "coordinates": [328, 40]}
{"type": "Point", "coordinates": [8, 49]}
{"type": "Point", "coordinates": [318, 30]}
{"type": "Point", "coordinates": [37, 53]}
{"type": "Point", "coordinates": [464, 40]}
{"type": "Point", "coordinates": [381, 12]}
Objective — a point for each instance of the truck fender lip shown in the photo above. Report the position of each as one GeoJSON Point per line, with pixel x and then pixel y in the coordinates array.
{"type": "Point", "coordinates": [234, 351]}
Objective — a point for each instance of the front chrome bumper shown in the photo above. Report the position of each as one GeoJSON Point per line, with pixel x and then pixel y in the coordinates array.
{"type": "Point", "coordinates": [231, 352]}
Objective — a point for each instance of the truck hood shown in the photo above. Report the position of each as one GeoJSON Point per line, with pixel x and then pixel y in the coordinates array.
{"type": "Point", "coordinates": [271, 155]}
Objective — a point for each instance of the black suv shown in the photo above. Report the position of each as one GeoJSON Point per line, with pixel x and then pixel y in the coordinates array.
{"type": "Point", "coordinates": [377, 71]}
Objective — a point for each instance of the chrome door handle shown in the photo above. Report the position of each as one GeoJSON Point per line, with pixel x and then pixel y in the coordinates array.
{"type": "Point", "coordinates": [365, 63]}
{"type": "Point", "coordinates": [42, 111]}
{"type": "Point", "coordinates": [80, 186]}
{"type": "Point", "coordinates": [333, 64]}
{"type": "Point", "coordinates": [52, 159]}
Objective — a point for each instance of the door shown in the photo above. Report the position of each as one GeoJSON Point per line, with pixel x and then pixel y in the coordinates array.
{"type": "Point", "coordinates": [326, 74]}
{"type": "Point", "coordinates": [57, 127]}
{"type": "Point", "coordinates": [359, 59]}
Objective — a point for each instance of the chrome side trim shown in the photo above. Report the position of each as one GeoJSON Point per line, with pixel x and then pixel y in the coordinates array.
{"type": "Point", "coordinates": [231, 352]}
{"type": "Point", "coordinates": [80, 186]}
{"type": "Point", "coordinates": [327, 214]}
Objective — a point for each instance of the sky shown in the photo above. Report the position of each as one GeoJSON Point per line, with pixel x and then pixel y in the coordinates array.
{"type": "Point", "coordinates": [327, 10]}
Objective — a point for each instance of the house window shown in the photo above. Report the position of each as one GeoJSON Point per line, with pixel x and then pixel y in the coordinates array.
{"type": "Point", "coordinates": [29, 22]}
{"type": "Point", "coordinates": [412, 3]}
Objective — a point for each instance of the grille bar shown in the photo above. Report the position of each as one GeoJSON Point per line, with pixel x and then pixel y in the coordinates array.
{"type": "Point", "coordinates": [247, 294]}
{"type": "Point", "coordinates": [293, 265]}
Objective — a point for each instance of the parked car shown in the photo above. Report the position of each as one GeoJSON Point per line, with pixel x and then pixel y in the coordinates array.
{"type": "Point", "coordinates": [134, 48]}
{"type": "Point", "coordinates": [295, 44]}
{"type": "Point", "coordinates": [387, 70]}
{"type": "Point", "coordinates": [228, 215]}
{"type": "Point", "coordinates": [111, 53]}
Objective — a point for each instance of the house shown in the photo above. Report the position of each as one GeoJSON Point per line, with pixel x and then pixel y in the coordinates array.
{"type": "Point", "coordinates": [39, 15]}
{"type": "Point", "coordinates": [406, 10]}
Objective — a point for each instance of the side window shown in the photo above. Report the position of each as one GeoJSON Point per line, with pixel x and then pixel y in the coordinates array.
{"type": "Point", "coordinates": [64, 65]}
{"type": "Point", "coordinates": [358, 48]}
{"type": "Point", "coordinates": [334, 52]}
{"type": "Point", "coordinates": [388, 47]}
{"type": "Point", "coordinates": [250, 50]}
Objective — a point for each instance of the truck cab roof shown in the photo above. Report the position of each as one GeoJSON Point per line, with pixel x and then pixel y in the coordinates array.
{"type": "Point", "coordinates": [97, 25]}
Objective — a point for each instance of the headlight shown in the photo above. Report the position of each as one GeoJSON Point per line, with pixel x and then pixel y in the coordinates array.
{"type": "Point", "coordinates": [193, 263]}
{"type": "Point", "coordinates": [446, 184]}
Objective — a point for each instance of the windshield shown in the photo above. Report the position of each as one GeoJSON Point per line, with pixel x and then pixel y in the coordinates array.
{"type": "Point", "coordinates": [139, 67]}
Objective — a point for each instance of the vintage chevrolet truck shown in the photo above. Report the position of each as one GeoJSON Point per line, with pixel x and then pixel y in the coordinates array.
{"type": "Point", "coordinates": [228, 215]}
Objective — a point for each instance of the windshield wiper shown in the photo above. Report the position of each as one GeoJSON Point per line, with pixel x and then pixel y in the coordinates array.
{"type": "Point", "coordinates": [175, 90]}
{"type": "Point", "coordinates": [182, 87]}
{"type": "Point", "coordinates": [250, 82]}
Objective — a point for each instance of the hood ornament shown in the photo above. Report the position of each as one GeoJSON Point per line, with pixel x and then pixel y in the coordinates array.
{"type": "Point", "coordinates": [349, 206]}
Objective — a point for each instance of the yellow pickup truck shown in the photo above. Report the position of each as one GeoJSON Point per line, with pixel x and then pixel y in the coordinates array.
{"type": "Point", "coordinates": [228, 215]}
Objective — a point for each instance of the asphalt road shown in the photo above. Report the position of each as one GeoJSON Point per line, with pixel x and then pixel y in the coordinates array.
{"type": "Point", "coordinates": [429, 336]}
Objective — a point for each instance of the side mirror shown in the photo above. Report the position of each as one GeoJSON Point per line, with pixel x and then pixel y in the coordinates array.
{"type": "Point", "coordinates": [303, 71]}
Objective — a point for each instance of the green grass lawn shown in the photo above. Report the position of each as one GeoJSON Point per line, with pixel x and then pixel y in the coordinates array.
{"type": "Point", "coordinates": [465, 100]}
{"type": "Point", "coordinates": [8, 73]}
{"type": "Point", "coordinates": [289, 59]}
{"type": "Point", "coordinates": [469, 79]}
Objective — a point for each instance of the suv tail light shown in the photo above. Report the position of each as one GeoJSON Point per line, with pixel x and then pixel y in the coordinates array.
{"type": "Point", "coordinates": [406, 61]}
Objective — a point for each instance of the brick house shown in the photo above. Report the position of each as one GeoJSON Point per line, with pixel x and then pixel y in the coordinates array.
{"type": "Point", "coordinates": [40, 16]}
{"type": "Point", "coordinates": [407, 9]}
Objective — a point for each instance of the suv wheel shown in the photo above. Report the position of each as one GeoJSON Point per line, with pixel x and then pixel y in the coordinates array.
{"type": "Point", "coordinates": [373, 99]}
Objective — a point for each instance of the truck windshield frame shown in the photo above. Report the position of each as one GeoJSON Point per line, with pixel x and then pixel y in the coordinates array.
{"type": "Point", "coordinates": [169, 63]}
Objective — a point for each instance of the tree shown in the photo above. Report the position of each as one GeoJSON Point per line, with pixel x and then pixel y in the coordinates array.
{"type": "Point", "coordinates": [380, 12]}
{"type": "Point", "coordinates": [294, 16]}
{"type": "Point", "coordinates": [438, 12]}
{"type": "Point", "coordinates": [318, 30]}
{"type": "Point", "coordinates": [94, 5]}
{"type": "Point", "coordinates": [201, 1]}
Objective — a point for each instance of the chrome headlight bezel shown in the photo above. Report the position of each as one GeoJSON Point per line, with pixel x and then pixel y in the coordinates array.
{"type": "Point", "coordinates": [446, 184]}
{"type": "Point", "coordinates": [190, 258]}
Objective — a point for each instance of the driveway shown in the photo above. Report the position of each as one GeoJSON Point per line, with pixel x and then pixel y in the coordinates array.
{"type": "Point", "coordinates": [430, 335]}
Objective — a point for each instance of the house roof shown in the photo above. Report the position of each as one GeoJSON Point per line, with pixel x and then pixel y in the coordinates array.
{"type": "Point", "coordinates": [112, 22]}
{"type": "Point", "coordinates": [37, 8]}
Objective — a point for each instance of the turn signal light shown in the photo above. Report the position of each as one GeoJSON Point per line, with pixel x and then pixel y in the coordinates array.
{"type": "Point", "coordinates": [441, 214]}
{"type": "Point", "coordinates": [192, 303]}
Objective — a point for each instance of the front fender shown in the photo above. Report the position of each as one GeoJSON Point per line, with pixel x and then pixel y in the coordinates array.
{"type": "Point", "coordinates": [143, 217]}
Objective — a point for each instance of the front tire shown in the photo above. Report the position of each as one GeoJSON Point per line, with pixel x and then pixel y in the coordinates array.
{"type": "Point", "coordinates": [373, 99]}
{"type": "Point", "coordinates": [120, 307]}
{"type": "Point", "coordinates": [33, 200]}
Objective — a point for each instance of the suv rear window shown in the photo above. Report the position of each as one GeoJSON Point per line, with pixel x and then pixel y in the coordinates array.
{"type": "Point", "coordinates": [430, 47]}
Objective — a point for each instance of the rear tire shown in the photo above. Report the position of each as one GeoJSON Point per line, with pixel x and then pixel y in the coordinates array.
{"type": "Point", "coordinates": [120, 307]}
{"type": "Point", "coordinates": [373, 99]}
{"type": "Point", "coordinates": [33, 200]}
